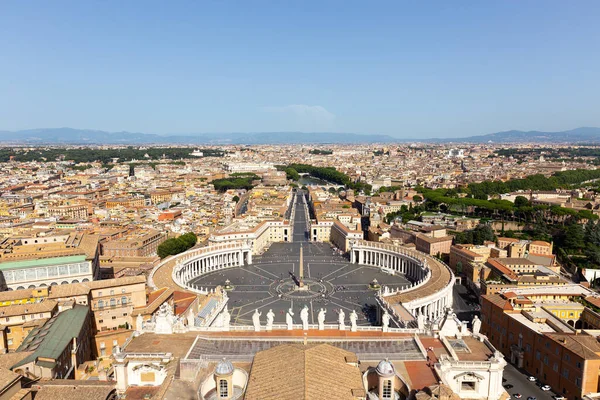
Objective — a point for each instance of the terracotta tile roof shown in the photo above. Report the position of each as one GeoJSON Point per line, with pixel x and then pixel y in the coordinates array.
{"type": "Point", "coordinates": [502, 268]}
{"type": "Point", "coordinates": [440, 277]}
{"type": "Point", "coordinates": [585, 346]}
{"type": "Point", "coordinates": [593, 300]}
{"type": "Point", "coordinates": [25, 309]}
{"type": "Point", "coordinates": [68, 290]}
{"type": "Point", "coordinates": [74, 389]}
{"type": "Point", "coordinates": [498, 301]}
{"type": "Point", "coordinates": [7, 377]}
{"type": "Point", "coordinates": [297, 372]}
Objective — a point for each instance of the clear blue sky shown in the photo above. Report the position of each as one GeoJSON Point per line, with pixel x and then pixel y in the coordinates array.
{"type": "Point", "coordinates": [447, 68]}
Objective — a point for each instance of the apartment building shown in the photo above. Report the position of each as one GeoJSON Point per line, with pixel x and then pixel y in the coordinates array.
{"type": "Point", "coordinates": [58, 346]}
{"type": "Point", "coordinates": [30, 262]}
{"type": "Point", "coordinates": [433, 245]}
{"type": "Point", "coordinates": [16, 321]}
{"type": "Point", "coordinates": [542, 344]}
{"type": "Point", "coordinates": [519, 248]}
{"type": "Point", "coordinates": [139, 243]}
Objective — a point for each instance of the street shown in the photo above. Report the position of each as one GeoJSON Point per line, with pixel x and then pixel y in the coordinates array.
{"type": "Point", "coordinates": [522, 385]}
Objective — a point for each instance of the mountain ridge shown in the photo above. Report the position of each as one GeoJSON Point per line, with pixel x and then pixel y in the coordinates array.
{"type": "Point", "coordinates": [65, 136]}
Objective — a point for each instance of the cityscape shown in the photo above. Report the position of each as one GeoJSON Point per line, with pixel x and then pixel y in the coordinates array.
{"type": "Point", "coordinates": [181, 219]}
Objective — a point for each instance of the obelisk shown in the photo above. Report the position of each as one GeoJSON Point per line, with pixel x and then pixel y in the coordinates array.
{"type": "Point", "coordinates": [301, 275]}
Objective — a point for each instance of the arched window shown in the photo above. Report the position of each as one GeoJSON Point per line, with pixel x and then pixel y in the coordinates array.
{"type": "Point", "coordinates": [223, 388]}
{"type": "Point", "coordinates": [123, 300]}
{"type": "Point", "coordinates": [101, 304]}
{"type": "Point", "coordinates": [113, 302]}
{"type": "Point", "coordinates": [387, 389]}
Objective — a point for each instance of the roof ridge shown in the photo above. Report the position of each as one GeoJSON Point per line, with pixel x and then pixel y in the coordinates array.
{"type": "Point", "coordinates": [304, 350]}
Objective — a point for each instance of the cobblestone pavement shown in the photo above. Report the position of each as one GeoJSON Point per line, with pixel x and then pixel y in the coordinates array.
{"type": "Point", "coordinates": [336, 284]}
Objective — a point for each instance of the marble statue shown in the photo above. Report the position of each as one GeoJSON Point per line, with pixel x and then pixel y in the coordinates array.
{"type": "Point", "coordinates": [139, 323]}
{"type": "Point", "coordinates": [164, 319]}
{"type": "Point", "coordinates": [321, 319]}
{"type": "Point", "coordinates": [476, 325]}
{"type": "Point", "coordinates": [421, 321]}
{"type": "Point", "coordinates": [341, 317]}
{"type": "Point", "coordinates": [304, 317]}
{"type": "Point", "coordinates": [385, 320]}
{"type": "Point", "coordinates": [353, 319]}
{"type": "Point", "coordinates": [270, 318]}
{"type": "Point", "coordinates": [256, 320]}
{"type": "Point", "coordinates": [289, 320]}
{"type": "Point", "coordinates": [226, 319]}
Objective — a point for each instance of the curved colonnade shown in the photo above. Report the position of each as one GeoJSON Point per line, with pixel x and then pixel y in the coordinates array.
{"type": "Point", "coordinates": [431, 291]}
{"type": "Point", "coordinates": [194, 263]}
{"type": "Point", "coordinates": [429, 294]}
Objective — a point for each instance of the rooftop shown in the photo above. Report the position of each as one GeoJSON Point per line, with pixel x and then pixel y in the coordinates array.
{"type": "Point", "coordinates": [50, 340]}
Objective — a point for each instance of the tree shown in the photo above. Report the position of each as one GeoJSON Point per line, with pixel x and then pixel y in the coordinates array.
{"type": "Point", "coordinates": [521, 201]}
{"type": "Point", "coordinates": [176, 245]}
{"type": "Point", "coordinates": [417, 198]}
{"type": "Point", "coordinates": [236, 199]}
{"type": "Point", "coordinates": [574, 237]}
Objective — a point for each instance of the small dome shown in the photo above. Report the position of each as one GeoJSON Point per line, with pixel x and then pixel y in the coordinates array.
{"type": "Point", "coordinates": [385, 368]}
{"type": "Point", "coordinates": [224, 367]}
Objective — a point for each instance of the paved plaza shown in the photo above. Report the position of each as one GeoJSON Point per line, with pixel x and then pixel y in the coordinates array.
{"type": "Point", "coordinates": [270, 282]}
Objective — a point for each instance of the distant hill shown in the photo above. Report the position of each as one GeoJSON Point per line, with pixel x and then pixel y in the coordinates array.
{"type": "Point", "coordinates": [63, 136]}
{"type": "Point", "coordinates": [578, 135]}
{"type": "Point", "coordinates": [86, 136]}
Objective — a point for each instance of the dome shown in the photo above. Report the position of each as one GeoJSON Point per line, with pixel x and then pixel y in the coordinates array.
{"type": "Point", "coordinates": [224, 367]}
{"type": "Point", "coordinates": [385, 368]}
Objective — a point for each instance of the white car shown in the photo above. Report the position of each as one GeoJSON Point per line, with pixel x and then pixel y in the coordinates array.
{"type": "Point", "coordinates": [546, 387]}
{"type": "Point", "coordinates": [532, 379]}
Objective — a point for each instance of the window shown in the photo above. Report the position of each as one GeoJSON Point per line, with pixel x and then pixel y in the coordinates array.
{"type": "Point", "coordinates": [123, 290]}
{"type": "Point", "coordinates": [112, 292]}
{"type": "Point", "coordinates": [113, 302]}
{"type": "Point", "coordinates": [100, 321]}
{"type": "Point", "coordinates": [387, 389]}
{"type": "Point", "coordinates": [115, 343]}
{"type": "Point", "coordinates": [567, 357]}
{"type": "Point", "coordinates": [538, 355]}
{"type": "Point", "coordinates": [223, 388]}
{"type": "Point", "coordinates": [578, 382]}
{"type": "Point", "coordinates": [114, 317]}
{"type": "Point", "coordinates": [101, 304]}
{"type": "Point", "coordinates": [578, 364]}
{"type": "Point", "coordinates": [467, 386]}
{"type": "Point", "coordinates": [555, 367]}
{"type": "Point", "coordinates": [9, 342]}
{"type": "Point", "coordinates": [566, 373]}
{"type": "Point", "coordinates": [99, 293]}
{"type": "Point", "coordinates": [124, 300]}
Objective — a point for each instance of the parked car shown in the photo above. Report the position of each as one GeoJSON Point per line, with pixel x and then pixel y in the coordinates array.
{"type": "Point", "coordinates": [517, 395]}
{"type": "Point", "coordinates": [508, 386]}
{"type": "Point", "coordinates": [532, 378]}
{"type": "Point", "coordinates": [531, 398]}
{"type": "Point", "coordinates": [546, 387]}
